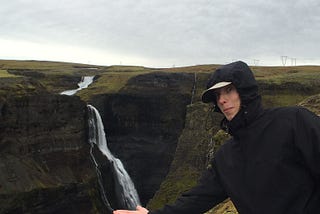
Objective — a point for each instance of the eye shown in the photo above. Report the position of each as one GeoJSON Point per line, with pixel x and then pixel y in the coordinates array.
{"type": "Point", "coordinates": [217, 95]}
{"type": "Point", "coordinates": [229, 89]}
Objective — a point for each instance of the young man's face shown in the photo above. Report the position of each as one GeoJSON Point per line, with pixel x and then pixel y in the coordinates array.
{"type": "Point", "coordinates": [228, 100]}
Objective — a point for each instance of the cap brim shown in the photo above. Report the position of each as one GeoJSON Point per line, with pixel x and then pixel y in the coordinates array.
{"type": "Point", "coordinates": [208, 96]}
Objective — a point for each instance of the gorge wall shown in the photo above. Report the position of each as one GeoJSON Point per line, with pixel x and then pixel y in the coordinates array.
{"type": "Point", "coordinates": [143, 122]}
{"type": "Point", "coordinates": [44, 157]}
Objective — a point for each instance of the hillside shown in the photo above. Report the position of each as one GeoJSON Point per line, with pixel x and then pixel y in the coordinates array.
{"type": "Point", "coordinates": [154, 120]}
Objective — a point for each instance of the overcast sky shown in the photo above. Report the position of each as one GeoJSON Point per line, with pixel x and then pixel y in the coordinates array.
{"type": "Point", "coordinates": [161, 33]}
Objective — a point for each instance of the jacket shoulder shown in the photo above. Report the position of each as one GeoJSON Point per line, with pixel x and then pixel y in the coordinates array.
{"type": "Point", "coordinates": [295, 115]}
{"type": "Point", "coordinates": [287, 111]}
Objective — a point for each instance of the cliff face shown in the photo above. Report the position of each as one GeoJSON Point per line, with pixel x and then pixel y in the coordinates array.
{"type": "Point", "coordinates": [143, 123]}
{"type": "Point", "coordinates": [149, 123]}
{"type": "Point", "coordinates": [44, 157]}
{"type": "Point", "coordinates": [195, 145]}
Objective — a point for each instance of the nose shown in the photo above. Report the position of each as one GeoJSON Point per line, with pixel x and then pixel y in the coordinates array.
{"type": "Point", "coordinates": [221, 99]}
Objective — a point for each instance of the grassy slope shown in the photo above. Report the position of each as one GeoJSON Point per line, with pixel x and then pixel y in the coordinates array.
{"type": "Point", "coordinates": [283, 86]}
{"type": "Point", "coordinates": [110, 79]}
{"type": "Point", "coordinates": [5, 74]}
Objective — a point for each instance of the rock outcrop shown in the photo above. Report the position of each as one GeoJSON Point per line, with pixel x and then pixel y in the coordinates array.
{"type": "Point", "coordinates": [45, 165]}
{"type": "Point", "coordinates": [312, 103]}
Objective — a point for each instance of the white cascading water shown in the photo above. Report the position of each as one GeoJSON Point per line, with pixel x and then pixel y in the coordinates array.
{"type": "Point", "coordinates": [84, 83]}
{"type": "Point", "coordinates": [127, 195]}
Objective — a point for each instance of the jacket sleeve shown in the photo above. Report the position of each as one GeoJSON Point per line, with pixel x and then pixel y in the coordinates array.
{"type": "Point", "coordinates": [307, 139]}
{"type": "Point", "coordinates": [199, 199]}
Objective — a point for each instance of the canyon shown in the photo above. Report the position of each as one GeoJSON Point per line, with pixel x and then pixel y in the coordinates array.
{"type": "Point", "coordinates": [154, 121]}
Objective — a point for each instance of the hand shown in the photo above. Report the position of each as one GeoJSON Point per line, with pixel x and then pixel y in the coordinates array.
{"type": "Point", "coordinates": [139, 210]}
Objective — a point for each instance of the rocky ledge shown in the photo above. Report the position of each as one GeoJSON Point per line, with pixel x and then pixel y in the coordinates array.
{"type": "Point", "coordinates": [45, 165]}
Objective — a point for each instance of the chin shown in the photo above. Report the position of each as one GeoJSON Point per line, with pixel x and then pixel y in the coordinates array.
{"type": "Point", "coordinates": [230, 117]}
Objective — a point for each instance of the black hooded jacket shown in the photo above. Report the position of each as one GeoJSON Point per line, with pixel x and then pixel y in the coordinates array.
{"type": "Point", "coordinates": [271, 165]}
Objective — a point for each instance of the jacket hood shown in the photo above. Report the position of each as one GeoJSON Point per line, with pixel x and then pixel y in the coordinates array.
{"type": "Point", "coordinates": [240, 75]}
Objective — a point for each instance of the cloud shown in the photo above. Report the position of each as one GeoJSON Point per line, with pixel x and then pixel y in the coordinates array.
{"type": "Point", "coordinates": [163, 32]}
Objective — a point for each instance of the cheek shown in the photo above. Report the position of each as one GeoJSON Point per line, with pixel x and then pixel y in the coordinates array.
{"type": "Point", "coordinates": [237, 102]}
{"type": "Point", "coordinates": [238, 107]}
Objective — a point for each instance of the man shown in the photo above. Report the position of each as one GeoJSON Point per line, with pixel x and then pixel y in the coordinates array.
{"type": "Point", "coordinates": [270, 165]}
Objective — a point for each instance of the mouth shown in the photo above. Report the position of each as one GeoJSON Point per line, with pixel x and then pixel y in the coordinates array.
{"type": "Point", "coordinates": [227, 109]}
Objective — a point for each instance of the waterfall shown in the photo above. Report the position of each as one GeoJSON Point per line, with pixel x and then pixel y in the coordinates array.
{"type": "Point", "coordinates": [194, 87]}
{"type": "Point", "coordinates": [84, 83]}
{"type": "Point", "coordinates": [126, 194]}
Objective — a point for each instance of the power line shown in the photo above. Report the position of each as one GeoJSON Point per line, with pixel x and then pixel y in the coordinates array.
{"type": "Point", "coordinates": [284, 60]}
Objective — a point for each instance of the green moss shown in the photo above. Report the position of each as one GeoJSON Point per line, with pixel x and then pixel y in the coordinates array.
{"type": "Point", "coordinates": [297, 78]}
{"type": "Point", "coordinates": [174, 185]}
{"type": "Point", "coordinates": [5, 74]}
{"type": "Point", "coordinates": [119, 68]}
{"type": "Point", "coordinates": [110, 82]}
{"type": "Point", "coordinates": [312, 103]}
{"type": "Point", "coordinates": [225, 207]}
{"type": "Point", "coordinates": [282, 99]}
{"type": "Point", "coordinates": [44, 65]}
{"type": "Point", "coordinates": [220, 137]}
